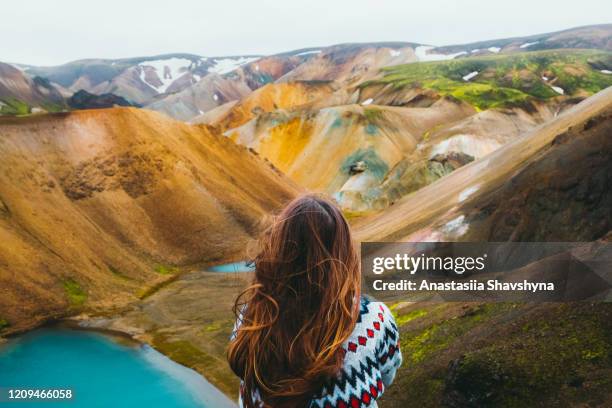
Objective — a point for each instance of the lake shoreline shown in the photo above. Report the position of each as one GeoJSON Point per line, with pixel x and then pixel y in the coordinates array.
{"type": "Point", "coordinates": [55, 317]}
{"type": "Point", "coordinates": [131, 325]}
{"type": "Point", "coordinates": [196, 386]}
{"type": "Point", "coordinates": [119, 324]}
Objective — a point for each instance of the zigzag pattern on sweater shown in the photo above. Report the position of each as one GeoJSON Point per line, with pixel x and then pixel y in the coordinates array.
{"type": "Point", "coordinates": [352, 378]}
{"type": "Point", "coordinates": [372, 355]}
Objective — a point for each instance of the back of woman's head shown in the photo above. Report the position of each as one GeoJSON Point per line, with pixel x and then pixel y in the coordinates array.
{"type": "Point", "coordinates": [301, 307]}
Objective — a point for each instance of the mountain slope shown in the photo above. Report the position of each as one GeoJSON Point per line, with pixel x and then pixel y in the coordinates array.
{"type": "Point", "coordinates": [85, 100]}
{"type": "Point", "coordinates": [414, 124]}
{"type": "Point", "coordinates": [434, 212]}
{"type": "Point", "coordinates": [138, 79]}
{"type": "Point", "coordinates": [19, 93]}
{"type": "Point", "coordinates": [597, 37]}
{"type": "Point", "coordinates": [96, 205]}
{"type": "Point", "coordinates": [500, 81]}
{"type": "Point", "coordinates": [208, 93]}
{"type": "Point", "coordinates": [551, 185]}
{"type": "Point", "coordinates": [350, 63]}
{"type": "Point", "coordinates": [268, 98]}
{"type": "Point", "coordinates": [144, 80]}
{"type": "Point", "coordinates": [322, 149]}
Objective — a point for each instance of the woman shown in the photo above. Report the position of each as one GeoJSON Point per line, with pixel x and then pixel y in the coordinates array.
{"type": "Point", "coordinates": [304, 336]}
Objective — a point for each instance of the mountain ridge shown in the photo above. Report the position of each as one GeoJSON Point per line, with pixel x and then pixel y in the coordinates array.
{"type": "Point", "coordinates": [156, 80]}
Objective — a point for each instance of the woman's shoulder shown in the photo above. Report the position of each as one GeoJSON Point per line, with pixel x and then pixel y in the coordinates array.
{"type": "Point", "coordinates": [375, 318]}
{"type": "Point", "coordinates": [372, 308]}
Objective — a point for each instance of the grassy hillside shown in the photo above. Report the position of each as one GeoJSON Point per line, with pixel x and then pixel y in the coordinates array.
{"type": "Point", "coordinates": [506, 80]}
{"type": "Point", "coordinates": [13, 106]}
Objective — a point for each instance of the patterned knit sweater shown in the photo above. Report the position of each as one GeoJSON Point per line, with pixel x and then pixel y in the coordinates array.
{"type": "Point", "coordinates": [371, 358]}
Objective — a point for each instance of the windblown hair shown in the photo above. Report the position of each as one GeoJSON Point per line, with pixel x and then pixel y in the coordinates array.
{"type": "Point", "coordinates": [300, 308]}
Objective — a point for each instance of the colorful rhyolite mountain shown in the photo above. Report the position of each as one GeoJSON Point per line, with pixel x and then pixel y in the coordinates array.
{"type": "Point", "coordinates": [98, 206]}
{"type": "Point", "coordinates": [19, 93]}
{"type": "Point", "coordinates": [150, 80]}
{"type": "Point", "coordinates": [376, 140]}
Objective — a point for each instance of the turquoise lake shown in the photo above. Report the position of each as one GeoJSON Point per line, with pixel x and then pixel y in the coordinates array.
{"type": "Point", "coordinates": [102, 372]}
{"type": "Point", "coordinates": [232, 267]}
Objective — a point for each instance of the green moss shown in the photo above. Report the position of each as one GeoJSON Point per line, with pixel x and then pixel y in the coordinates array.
{"type": "Point", "coordinates": [417, 346]}
{"type": "Point", "coordinates": [505, 355]}
{"type": "Point", "coordinates": [4, 324]}
{"type": "Point", "coordinates": [214, 326]}
{"type": "Point", "coordinates": [372, 114]}
{"type": "Point", "coordinates": [183, 352]}
{"type": "Point", "coordinates": [505, 80]}
{"type": "Point", "coordinates": [352, 215]}
{"type": "Point", "coordinates": [149, 290]}
{"type": "Point", "coordinates": [549, 360]}
{"type": "Point", "coordinates": [76, 294]}
{"type": "Point", "coordinates": [166, 269]}
{"type": "Point", "coordinates": [186, 353]}
{"type": "Point", "coordinates": [482, 96]}
{"type": "Point", "coordinates": [402, 319]}
{"type": "Point", "coordinates": [13, 106]}
{"type": "Point", "coordinates": [591, 81]}
{"type": "Point", "coordinates": [53, 107]}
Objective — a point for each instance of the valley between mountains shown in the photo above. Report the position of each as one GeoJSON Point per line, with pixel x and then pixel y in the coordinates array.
{"type": "Point", "coordinates": [123, 181]}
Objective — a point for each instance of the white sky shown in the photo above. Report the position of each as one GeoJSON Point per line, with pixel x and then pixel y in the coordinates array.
{"type": "Point", "coordinates": [49, 32]}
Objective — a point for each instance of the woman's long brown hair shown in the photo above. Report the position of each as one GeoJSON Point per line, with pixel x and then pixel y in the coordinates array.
{"type": "Point", "coordinates": [300, 308]}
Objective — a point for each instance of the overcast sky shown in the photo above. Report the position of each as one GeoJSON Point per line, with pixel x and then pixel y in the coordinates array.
{"type": "Point", "coordinates": [49, 32]}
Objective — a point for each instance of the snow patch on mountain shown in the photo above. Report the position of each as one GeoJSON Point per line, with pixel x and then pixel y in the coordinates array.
{"type": "Point", "coordinates": [528, 44]}
{"type": "Point", "coordinates": [225, 65]}
{"type": "Point", "coordinates": [24, 68]}
{"type": "Point", "coordinates": [606, 71]}
{"type": "Point", "coordinates": [422, 54]}
{"type": "Point", "coordinates": [557, 89]}
{"type": "Point", "coordinates": [470, 76]}
{"type": "Point", "coordinates": [309, 52]}
{"type": "Point", "coordinates": [142, 77]}
{"type": "Point", "coordinates": [456, 227]}
{"type": "Point", "coordinates": [168, 70]}
{"type": "Point", "coordinates": [494, 50]}
{"type": "Point", "coordinates": [465, 194]}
